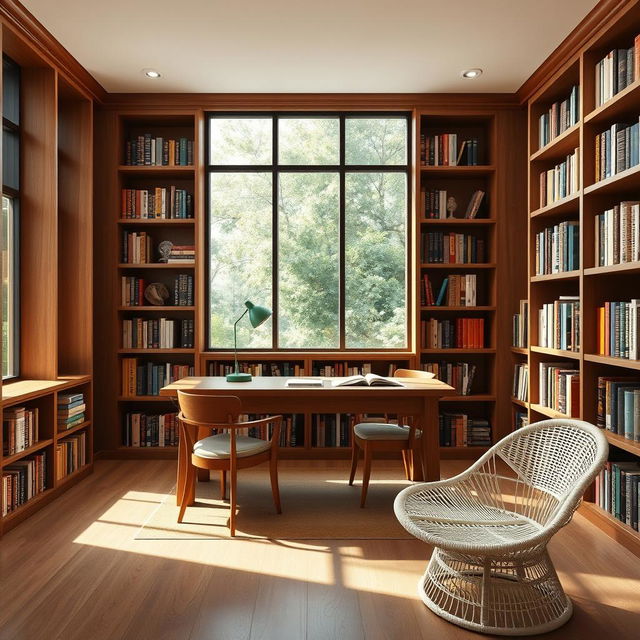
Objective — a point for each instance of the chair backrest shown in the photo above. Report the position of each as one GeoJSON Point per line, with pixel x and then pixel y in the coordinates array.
{"type": "Point", "coordinates": [411, 373]}
{"type": "Point", "coordinates": [207, 409]}
{"type": "Point", "coordinates": [560, 457]}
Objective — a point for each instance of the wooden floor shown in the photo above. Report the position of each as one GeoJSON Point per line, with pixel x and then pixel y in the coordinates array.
{"type": "Point", "coordinates": [74, 571]}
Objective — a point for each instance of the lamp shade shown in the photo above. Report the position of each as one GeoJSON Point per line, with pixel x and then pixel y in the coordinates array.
{"type": "Point", "coordinates": [257, 314]}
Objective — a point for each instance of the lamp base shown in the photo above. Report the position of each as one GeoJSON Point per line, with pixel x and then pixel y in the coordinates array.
{"type": "Point", "coordinates": [239, 377]}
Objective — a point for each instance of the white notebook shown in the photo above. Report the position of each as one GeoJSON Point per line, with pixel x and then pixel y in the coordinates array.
{"type": "Point", "coordinates": [304, 382]}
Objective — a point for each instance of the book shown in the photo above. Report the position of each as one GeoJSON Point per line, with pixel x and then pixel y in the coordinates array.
{"type": "Point", "coordinates": [369, 380]}
{"type": "Point", "coordinates": [474, 204]}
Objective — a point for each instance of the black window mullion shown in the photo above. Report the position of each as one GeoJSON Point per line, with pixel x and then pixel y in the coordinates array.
{"type": "Point", "coordinates": [342, 283]}
{"type": "Point", "coordinates": [275, 177]}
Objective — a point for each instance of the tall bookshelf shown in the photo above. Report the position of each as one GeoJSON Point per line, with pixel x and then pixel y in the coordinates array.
{"type": "Point", "coordinates": [592, 284]}
{"type": "Point", "coordinates": [56, 275]}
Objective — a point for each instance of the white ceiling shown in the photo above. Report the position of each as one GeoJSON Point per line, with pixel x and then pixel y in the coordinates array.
{"type": "Point", "coordinates": [274, 46]}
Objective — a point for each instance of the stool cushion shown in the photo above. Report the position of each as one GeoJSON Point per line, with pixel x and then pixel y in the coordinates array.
{"type": "Point", "coordinates": [380, 431]}
{"type": "Point", "coordinates": [220, 446]}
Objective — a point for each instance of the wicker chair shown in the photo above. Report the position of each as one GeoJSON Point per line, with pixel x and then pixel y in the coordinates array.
{"type": "Point", "coordinates": [490, 570]}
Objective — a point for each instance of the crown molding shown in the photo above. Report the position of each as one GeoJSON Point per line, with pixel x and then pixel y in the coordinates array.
{"type": "Point", "coordinates": [25, 26]}
{"type": "Point", "coordinates": [594, 21]}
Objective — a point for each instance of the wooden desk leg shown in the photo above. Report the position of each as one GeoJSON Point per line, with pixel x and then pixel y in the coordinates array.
{"type": "Point", "coordinates": [431, 440]}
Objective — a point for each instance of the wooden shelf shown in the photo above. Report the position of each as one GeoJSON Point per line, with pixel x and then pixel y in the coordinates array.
{"type": "Point", "coordinates": [623, 101]}
{"type": "Point", "coordinates": [565, 275]}
{"type": "Point", "coordinates": [159, 222]}
{"type": "Point", "coordinates": [613, 527]}
{"type": "Point", "coordinates": [520, 350]}
{"type": "Point", "coordinates": [517, 401]}
{"type": "Point", "coordinates": [156, 170]}
{"type": "Point", "coordinates": [614, 362]}
{"type": "Point", "coordinates": [157, 308]}
{"type": "Point", "coordinates": [25, 390]}
{"type": "Point", "coordinates": [444, 308]}
{"type": "Point", "coordinates": [547, 411]}
{"type": "Point", "coordinates": [560, 353]}
{"type": "Point", "coordinates": [164, 399]}
{"type": "Point", "coordinates": [561, 145]}
{"type": "Point", "coordinates": [63, 434]}
{"type": "Point", "coordinates": [27, 506]}
{"type": "Point", "coordinates": [157, 265]}
{"type": "Point", "coordinates": [623, 443]}
{"type": "Point", "coordinates": [152, 351]}
{"type": "Point", "coordinates": [565, 205]}
{"type": "Point", "coordinates": [478, 170]}
{"type": "Point", "coordinates": [70, 477]}
{"type": "Point", "coordinates": [627, 267]}
{"type": "Point", "coordinates": [458, 265]}
{"type": "Point", "coordinates": [622, 180]}
{"type": "Point", "coordinates": [38, 446]}
{"type": "Point", "coordinates": [458, 221]}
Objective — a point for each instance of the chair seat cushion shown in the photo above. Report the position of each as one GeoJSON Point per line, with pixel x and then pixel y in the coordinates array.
{"type": "Point", "coordinates": [380, 431]}
{"type": "Point", "coordinates": [219, 446]}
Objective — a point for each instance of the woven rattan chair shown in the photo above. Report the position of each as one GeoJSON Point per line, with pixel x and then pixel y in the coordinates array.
{"type": "Point", "coordinates": [490, 570]}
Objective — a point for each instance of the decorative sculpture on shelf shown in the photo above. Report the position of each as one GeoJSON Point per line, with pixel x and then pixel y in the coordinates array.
{"type": "Point", "coordinates": [164, 249]}
{"type": "Point", "coordinates": [156, 294]}
{"type": "Point", "coordinates": [452, 205]}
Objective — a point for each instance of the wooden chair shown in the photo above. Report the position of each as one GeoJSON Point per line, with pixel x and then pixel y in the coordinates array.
{"type": "Point", "coordinates": [224, 451]}
{"type": "Point", "coordinates": [378, 434]}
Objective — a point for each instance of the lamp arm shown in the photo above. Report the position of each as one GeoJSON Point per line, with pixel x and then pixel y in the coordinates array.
{"type": "Point", "coordinates": [235, 341]}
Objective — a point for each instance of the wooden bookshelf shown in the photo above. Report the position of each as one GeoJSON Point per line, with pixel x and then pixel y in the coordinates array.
{"type": "Point", "coordinates": [593, 284]}
{"type": "Point", "coordinates": [56, 272]}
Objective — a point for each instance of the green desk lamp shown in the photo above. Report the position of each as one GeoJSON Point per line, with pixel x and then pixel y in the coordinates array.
{"type": "Point", "coordinates": [257, 315]}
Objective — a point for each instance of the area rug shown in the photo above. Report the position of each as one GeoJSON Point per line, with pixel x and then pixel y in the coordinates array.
{"type": "Point", "coordinates": [317, 504]}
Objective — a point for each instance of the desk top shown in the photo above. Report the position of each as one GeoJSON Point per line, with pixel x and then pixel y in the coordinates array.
{"type": "Point", "coordinates": [270, 385]}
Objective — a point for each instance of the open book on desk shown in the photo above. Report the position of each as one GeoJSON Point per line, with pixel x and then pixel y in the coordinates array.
{"type": "Point", "coordinates": [369, 380]}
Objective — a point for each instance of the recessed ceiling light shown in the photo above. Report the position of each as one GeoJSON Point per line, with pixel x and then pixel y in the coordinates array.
{"type": "Point", "coordinates": [151, 73]}
{"type": "Point", "coordinates": [472, 73]}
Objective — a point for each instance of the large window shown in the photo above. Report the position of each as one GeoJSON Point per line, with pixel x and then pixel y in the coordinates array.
{"type": "Point", "coordinates": [307, 214]}
{"type": "Point", "coordinates": [10, 229]}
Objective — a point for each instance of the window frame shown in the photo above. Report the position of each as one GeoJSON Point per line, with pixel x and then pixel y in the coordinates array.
{"type": "Point", "coordinates": [342, 169]}
{"type": "Point", "coordinates": [14, 241]}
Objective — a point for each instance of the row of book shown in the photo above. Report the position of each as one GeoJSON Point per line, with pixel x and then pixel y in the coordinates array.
{"type": "Point", "coordinates": [520, 388]}
{"type": "Point", "coordinates": [160, 333]}
{"type": "Point", "coordinates": [19, 429]}
{"type": "Point", "coordinates": [521, 326]}
{"type": "Point", "coordinates": [443, 150]}
{"type": "Point", "coordinates": [439, 206]}
{"type": "Point", "coordinates": [559, 324]}
{"type": "Point", "coordinates": [458, 333]}
{"type": "Point", "coordinates": [559, 387]}
{"type": "Point", "coordinates": [617, 149]}
{"type": "Point", "coordinates": [452, 248]}
{"type": "Point", "coordinates": [562, 115]}
{"type": "Point", "coordinates": [616, 489]}
{"type": "Point", "coordinates": [147, 150]}
{"type": "Point", "coordinates": [141, 429]}
{"type": "Point", "coordinates": [71, 410]}
{"type": "Point", "coordinates": [136, 247]}
{"type": "Point", "coordinates": [456, 290]}
{"type": "Point", "coordinates": [558, 248]}
{"type": "Point", "coordinates": [147, 378]}
{"type": "Point", "coordinates": [348, 369]}
{"type": "Point", "coordinates": [458, 375]}
{"type": "Point", "coordinates": [181, 253]}
{"type": "Point", "coordinates": [331, 430]}
{"type": "Point", "coordinates": [616, 71]}
{"type": "Point", "coordinates": [23, 480]}
{"type": "Point", "coordinates": [520, 419]}
{"type": "Point", "coordinates": [256, 368]}
{"type": "Point", "coordinates": [561, 181]}
{"type": "Point", "coordinates": [460, 430]}
{"type": "Point", "coordinates": [133, 291]}
{"type": "Point", "coordinates": [618, 405]}
{"type": "Point", "coordinates": [617, 235]}
{"type": "Point", "coordinates": [160, 202]}
{"type": "Point", "coordinates": [71, 454]}
{"type": "Point", "coordinates": [618, 329]}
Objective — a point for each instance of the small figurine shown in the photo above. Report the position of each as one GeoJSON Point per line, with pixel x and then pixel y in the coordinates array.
{"type": "Point", "coordinates": [452, 205]}
{"type": "Point", "coordinates": [164, 249]}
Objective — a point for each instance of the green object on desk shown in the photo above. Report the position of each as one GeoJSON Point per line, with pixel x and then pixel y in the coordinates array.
{"type": "Point", "coordinates": [257, 315]}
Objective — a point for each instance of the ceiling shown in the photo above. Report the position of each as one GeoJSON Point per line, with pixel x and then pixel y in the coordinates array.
{"type": "Point", "coordinates": [273, 46]}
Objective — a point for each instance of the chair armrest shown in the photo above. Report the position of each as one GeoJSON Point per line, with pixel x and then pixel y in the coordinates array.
{"type": "Point", "coordinates": [254, 423]}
